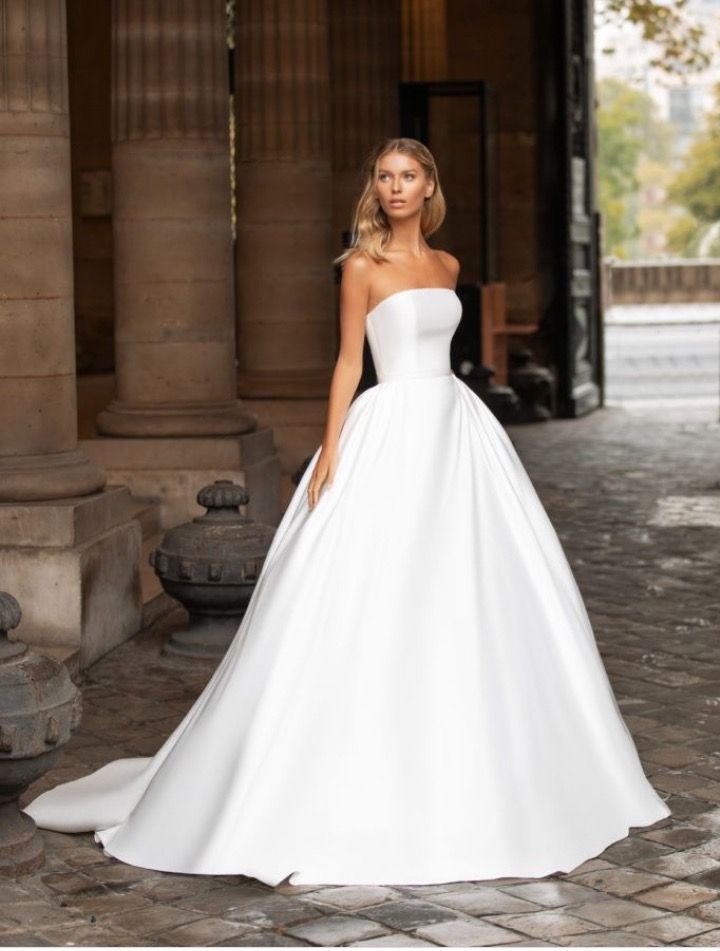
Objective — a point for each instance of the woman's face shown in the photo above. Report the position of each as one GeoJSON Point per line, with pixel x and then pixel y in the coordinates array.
{"type": "Point", "coordinates": [401, 185]}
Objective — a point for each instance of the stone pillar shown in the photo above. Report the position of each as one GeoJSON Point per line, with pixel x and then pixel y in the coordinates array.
{"type": "Point", "coordinates": [365, 72]}
{"type": "Point", "coordinates": [284, 274]}
{"type": "Point", "coordinates": [39, 458]}
{"type": "Point", "coordinates": [424, 40]}
{"type": "Point", "coordinates": [174, 321]}
{"type": "Point", "coordinates": [70, 551]}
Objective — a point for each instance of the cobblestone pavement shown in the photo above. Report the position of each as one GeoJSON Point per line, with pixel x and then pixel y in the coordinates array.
{"type": "Point", "coordinates": [635, 499]}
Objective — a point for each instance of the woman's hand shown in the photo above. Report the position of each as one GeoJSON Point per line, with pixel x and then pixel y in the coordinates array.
{"type": "Point", "coordinates": [323, 474]}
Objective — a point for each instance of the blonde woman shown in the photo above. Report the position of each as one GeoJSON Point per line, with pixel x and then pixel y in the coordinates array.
{"type": "Point", "coordinates": [415, 694]}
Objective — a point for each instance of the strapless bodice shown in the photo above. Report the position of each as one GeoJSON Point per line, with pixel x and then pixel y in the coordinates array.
{"type": "Point", "coordinates": [409, 333]}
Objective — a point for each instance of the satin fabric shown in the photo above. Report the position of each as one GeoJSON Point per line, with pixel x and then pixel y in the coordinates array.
{"type": "Point", "coordinates": [415, 694]}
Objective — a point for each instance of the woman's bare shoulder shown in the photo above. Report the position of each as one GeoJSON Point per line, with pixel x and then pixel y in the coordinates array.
{"type": "Point", "coordinates": [450, 262]}
{"type": "Point", "coordinates": [358, 268]}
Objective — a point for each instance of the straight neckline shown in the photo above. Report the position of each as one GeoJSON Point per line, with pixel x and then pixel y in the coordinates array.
{"type": "Point", "coordinates": [407, 290]}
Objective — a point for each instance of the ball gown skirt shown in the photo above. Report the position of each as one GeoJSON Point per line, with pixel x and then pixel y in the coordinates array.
{"type": "Point", "coordinates": [414, 694]}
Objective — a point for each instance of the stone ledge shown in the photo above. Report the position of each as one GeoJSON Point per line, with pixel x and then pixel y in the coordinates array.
{"type": "Point", "coordinates": [63, 523]}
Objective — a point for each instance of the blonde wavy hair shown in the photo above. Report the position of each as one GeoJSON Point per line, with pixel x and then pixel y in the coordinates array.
{"type": "Point", "coordinates": [371, 227]}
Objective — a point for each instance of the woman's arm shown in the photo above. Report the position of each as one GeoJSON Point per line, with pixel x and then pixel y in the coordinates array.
{"type": "Point", "coordinates": [354, 295]}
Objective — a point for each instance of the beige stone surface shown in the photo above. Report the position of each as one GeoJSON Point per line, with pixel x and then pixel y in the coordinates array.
{"type": "Point", "coordinates": [174, 470]}
{"type": "Point", "coordinates": [63, 522]}
{"type": "Point", "coordinates": [174, 322]}
{"type": "Point", "coordinates": [85, 595]}
{"type": "Point", "coordinates": [283, 192]}
{"type": "Point", "coordinates": [37, 366]}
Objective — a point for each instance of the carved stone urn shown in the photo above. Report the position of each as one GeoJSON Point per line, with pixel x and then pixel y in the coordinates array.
{"type": "Point", "coordinates": [211, 565]}
{"type": "Point", "coordinates": [40, 706]}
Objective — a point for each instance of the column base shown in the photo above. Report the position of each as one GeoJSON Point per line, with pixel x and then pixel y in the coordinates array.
{"type": "Point", "coordinates": [74, 566]}
{"type": "Point", "coordinates": [57, 475]}
{"type": "Point", "coordinates": [214, 419]}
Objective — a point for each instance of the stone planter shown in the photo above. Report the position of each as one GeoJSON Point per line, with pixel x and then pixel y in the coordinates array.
{"type": "Point", "coordinates": [211, 565]}
{"type": "Point", "coordinates": [39, 708]}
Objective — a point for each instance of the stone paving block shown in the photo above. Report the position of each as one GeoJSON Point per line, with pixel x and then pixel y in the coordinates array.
{"type": "Point", "coordinates": [12, 891]}
{"type": "Point", "coordinates": [273, 911]}
{"type": "Point", "coordinates": [107, 903]}
{"type": "Point", "coordinates": [592, 865]}
{"type": "Point", "coordinates": [553, 894]}
{"type": "Point", "coordinates": [119, 874]}
{"type": "Point", "coordinates": [153, 919]}
{"type": "Point", "coordinates": [207, 931]}
{"type": "Point", "coordinates": [678, 864]}
{"type": "Point", "coordinates": [709, 878]}
{"type": "Point", "coordinates": [216, 901]}
{"type": "Point", "coordinates": [708, 939]}
{"type": "Point", "coordinates": [609, 939]}
{"type": "Point", "coordinates": [633, 850]}
{"type": "Point", "coordinates": [351, 897]}
{"type": "Point", "coordinates": [269, 940]}
{"type": "Point", "coordinates": [484, 901]}
{"type": "Point", "coordinates": [87, 934]}
{"type": "Point", "coordinates": [710, 847]}
{"type": "Point", "coordinates": [708, 911]}
{"type": "Point", "coordinates": [614, 912]}
{"type": "Point", "coordinates": [543, 924]}
{"type": "Point", "coordinates": [678, 896]}
{"type": "Point", "coordinates": [407, 915]}
{"type": "Point", "coordinates": [174, 886]}
{"type": "Point", "coordinates": [34, 914]}
{"type": "Point", "coordinates": [671, 927]}
{"type": "Point", "coordinates": [82, 857]}
{"type": "Point", "coordinates": [392, 941]}
{"type": "Point", "coordinates": [680, 836]}
{"type": "Point", "coordinates": [462, 933]}
{"type": "Point", "coordinates": [26, 940]}
{"type": "Point", "coordinates": [332, 930]}
{"type": "Point", "coordinates": [622, 881]}
{"type": "Point", "coordinates": [708, 820]}
{"type": "Point", "coordinates": [70, 883]}
{"type": "Point", "coordinates": [709, 792]}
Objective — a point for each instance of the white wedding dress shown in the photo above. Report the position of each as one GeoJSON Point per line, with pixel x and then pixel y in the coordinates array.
{"type": "Point", "coordinates": [415, 694]}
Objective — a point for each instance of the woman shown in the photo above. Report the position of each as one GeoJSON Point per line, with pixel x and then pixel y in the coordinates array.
{"type": "Point", "coordinates": [415, 694]}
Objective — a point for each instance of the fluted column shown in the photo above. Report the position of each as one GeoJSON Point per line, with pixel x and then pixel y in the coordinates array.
{"type": "Point", "coordinates": [285, 319]}
{"type": "Point", "coordinates": [39, 458]}
{"type": "Point", "coordinates": [365, 72]}
{"type": "Point", "coordinates": [424, 40]}
{"type": "Point", "coordinates": [174, 321]}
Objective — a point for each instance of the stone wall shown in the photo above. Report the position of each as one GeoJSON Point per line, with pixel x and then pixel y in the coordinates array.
{"type": "Point", "coordinates": [663, 283]}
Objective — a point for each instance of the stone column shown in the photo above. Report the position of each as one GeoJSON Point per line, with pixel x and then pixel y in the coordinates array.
{"type": "Point", "coordinates": [39, 458]}
{"type": "Point", "coordinates": [70, 551]}
{"type": "Point", "coordinates": [424, 40]}
{"type": "Point", "coordinates": [174, 331]}
{"type": "Point", "coordinates": [284, 274]}
{"type": "Point", "coordinates": [365, 72]}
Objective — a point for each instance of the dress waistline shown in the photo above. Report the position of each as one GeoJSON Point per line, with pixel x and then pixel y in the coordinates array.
{"type": "Point", "coordinates": [427, 375]}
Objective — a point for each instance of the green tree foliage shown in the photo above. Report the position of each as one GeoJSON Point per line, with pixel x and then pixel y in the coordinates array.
{"type": "Point", "coordinates": [696, 189]}
{"type": "Point", "coordinates": [679, 42]}
{"type": "Point", "coordinates": [628, 129]}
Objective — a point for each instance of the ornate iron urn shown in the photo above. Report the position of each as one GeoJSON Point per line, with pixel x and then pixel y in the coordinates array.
{"type": "Point", "coordinates": [40, 706]}
{"type": "Point", "coordinates": [211, 565]}
{"type": "Point", "coordinates": [534, 385]}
